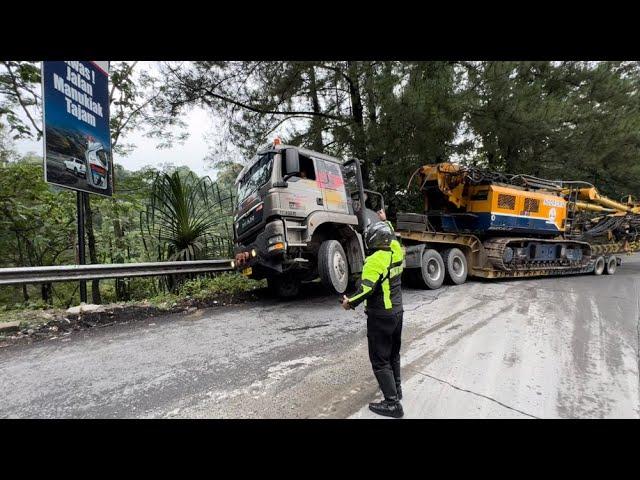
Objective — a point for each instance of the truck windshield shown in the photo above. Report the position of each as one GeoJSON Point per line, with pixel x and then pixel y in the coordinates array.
{"type": "Point", "coordinates": [349, 177]}
{"type": "Point", "coordinates": [257, 176]}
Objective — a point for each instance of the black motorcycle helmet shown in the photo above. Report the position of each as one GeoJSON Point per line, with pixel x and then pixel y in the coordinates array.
{"type": "Point", "coordinates": [378, 237]}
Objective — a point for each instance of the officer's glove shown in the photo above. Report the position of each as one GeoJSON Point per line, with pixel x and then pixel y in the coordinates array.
{"type": "Point", "coordinates": [345, 303]}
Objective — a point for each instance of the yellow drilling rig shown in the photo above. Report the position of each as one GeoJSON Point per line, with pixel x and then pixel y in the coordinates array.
{"type": "Point", "coordinates": [495, 225]}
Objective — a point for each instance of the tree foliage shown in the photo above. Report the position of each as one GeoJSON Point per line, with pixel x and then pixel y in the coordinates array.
{"type": "Point", "coordinates": [562, 120]}
{"type": "Point", "coordinates": [180, 220]}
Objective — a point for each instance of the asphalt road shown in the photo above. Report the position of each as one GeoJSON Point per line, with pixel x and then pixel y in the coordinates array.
{"type": "Point", "coordinates": [549, 348]}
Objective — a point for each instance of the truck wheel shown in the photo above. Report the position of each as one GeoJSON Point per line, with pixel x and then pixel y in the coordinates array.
{"type": "Point", "coordinates": [599, 266]}
{"type": "Point", "coordinates": [284, 286]}
{"type": "Point", "coordinates": [333, 267]}
{"type": "Point", "coordinates": [612, 265]}
{"type": "Point", "coordinates": [432, 269]}
{"type": "Point", "coordinates": [456, 265]}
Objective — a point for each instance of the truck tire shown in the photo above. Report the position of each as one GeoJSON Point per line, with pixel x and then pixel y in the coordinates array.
{"type": "Point", "coordinates": [284, 286]}
{"type": "Point", "coordinates": [432, 269]}
{"type": "Point", "coordinates": [456, 266]}
{"type": "Point", "coordinates": [599, 266]}
{"type": "Point", "coordinates": [612, 265]}
{"type": "Point", "coordinates": [333, 267]}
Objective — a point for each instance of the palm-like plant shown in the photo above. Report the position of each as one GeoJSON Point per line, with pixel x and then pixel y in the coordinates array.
{"type": "Point", "coordinates": [187, 218]}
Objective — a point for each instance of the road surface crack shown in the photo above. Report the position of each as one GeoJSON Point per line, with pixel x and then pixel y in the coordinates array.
{"type": "Point", "coordinates": [290, 329]}
{"type": "Point", "coordinates": [428, 302]}
{"type": "Point", "coordinates": [473, 393]}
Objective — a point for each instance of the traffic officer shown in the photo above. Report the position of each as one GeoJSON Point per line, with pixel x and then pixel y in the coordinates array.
{"type": "Point", "coordinates": [381, 291]}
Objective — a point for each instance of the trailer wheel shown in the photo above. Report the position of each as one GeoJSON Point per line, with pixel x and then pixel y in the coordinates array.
{"type": "Point", "coordinates": [456, 266]}
{"type": "Point", "coordinates": [284, 286]}
{"type": "Point", "coordinates": [612, 265]}
{"type": "Point", "coordinates": [599, 266]}
{"type": "Point", "coordinates": [333, 267]}
{"type": "Point", "coordinates": [432, 269]}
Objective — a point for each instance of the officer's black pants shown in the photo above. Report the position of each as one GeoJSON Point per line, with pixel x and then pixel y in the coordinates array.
{"type": "Point", "coordinates": [383, 333]}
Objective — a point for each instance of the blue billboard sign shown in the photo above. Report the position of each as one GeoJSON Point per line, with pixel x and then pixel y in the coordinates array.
{"type": "Point", "coordinates": [77, 141]}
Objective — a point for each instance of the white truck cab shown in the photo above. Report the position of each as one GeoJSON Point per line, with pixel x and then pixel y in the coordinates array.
{"type": "Point", "coordinates": [299, 218]}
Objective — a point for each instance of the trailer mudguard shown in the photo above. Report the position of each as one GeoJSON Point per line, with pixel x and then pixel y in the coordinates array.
{"type": "Point", "coordinates": [413, 256]}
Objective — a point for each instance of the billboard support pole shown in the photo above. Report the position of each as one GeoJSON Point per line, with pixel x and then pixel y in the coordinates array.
{"type": "Point", "coordinates": [81, 255]}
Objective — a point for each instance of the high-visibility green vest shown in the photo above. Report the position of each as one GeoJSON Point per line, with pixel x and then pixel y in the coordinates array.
{"type": "Point", "coordinates": [380, 288]}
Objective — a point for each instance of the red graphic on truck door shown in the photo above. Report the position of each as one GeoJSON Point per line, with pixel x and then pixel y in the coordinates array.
{"type": "Point", "coordinates": [329, 179]}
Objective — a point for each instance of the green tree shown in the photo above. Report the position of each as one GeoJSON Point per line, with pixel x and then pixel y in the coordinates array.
{"type": "Point", "coordinates": [562, 120]}
{"type": "Point", "coordinates": [179, 222]}
{"type": "Point", "coordinates": [132, 90]}
{"type": "Point", "coordinates": [19, 96]}
{"type": "Point", "coordinates": [37, 222]}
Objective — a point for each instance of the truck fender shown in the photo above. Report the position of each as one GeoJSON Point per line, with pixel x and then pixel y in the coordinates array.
{"type": "Point", "coordinates": [317, 219]}
{"type": "Point", "coordinates": [413, 255]}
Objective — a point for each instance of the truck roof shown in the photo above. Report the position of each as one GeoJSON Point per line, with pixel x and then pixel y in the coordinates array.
{"type": "Point", "coordinates": [304, 151]}
{"type": "Point", "coordinates": [312, 153]}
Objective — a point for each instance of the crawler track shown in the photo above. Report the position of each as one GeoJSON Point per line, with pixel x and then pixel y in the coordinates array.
{"type": "Point", "coordinates": [495, 250]}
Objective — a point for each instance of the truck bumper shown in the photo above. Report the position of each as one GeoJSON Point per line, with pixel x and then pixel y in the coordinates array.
{"type": "Point", "coordinates": [264, 256]}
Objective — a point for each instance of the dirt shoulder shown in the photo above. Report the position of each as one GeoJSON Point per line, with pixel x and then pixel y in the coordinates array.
{"type": "Point", "coordinates": [28, 326]}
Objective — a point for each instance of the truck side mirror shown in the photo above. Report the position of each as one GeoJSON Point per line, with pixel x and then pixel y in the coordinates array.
{"type": "Point", "coordinates": [291, 162]}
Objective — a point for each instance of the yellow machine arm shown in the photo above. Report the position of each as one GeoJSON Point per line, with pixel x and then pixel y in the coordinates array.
{"type": "Point", "coordinates": [600, 203]}
{"type": "Point", "coordinates": [450, 178]}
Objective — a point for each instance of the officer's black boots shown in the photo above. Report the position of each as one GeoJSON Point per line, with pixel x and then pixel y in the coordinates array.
{"type": "Point", "coordinates": [390, 406]}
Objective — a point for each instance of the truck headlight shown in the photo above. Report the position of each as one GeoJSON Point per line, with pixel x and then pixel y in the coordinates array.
{"type": "Point", "coordinates": [276, 239]}
{"type": "Point", "coordinates": [277, 246]}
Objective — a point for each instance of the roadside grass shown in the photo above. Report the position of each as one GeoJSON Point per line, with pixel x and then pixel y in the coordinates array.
{"type": "Point", "coordinates": [29, 316]}
{"type": "Point", "coordinates": [232, 284]}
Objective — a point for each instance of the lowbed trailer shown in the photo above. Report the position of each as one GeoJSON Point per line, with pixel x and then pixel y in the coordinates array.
{"type": "Point", "coordinates": [433, 256]}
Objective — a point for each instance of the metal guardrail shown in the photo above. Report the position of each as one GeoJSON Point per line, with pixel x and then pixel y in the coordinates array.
{"type": "Point", "coordinates": [66, 273]}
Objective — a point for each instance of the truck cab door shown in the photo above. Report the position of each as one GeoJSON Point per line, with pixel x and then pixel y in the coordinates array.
{"type": "Point", "coordinates": [303, 194]}
{"type": "Point", "coordinates": [331, 182]}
